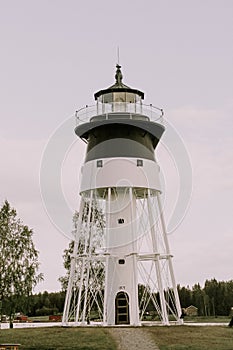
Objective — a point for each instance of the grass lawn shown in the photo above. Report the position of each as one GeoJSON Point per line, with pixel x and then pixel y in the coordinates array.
{"type": "Point", "coordinates": [57, 338]}
{"type": "Point", "coordinates": [192, 337]}
{"type": "Point", "coordinates": [167, 338]}
{"type": "Point", "coordinates": [207, 319]}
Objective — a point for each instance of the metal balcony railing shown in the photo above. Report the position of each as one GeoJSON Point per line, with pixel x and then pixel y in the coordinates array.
{"type": "Point", "coordinates": [129, 110]}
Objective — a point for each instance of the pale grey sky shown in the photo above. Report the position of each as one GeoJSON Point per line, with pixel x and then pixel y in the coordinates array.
{"type": "Point", "coordinates": [56, 54]}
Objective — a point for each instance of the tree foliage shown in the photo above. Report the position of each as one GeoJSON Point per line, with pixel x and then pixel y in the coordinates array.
{"type": "Point", "coordinates": [18, 260]}
{"type": "Point", "coordinates": [52, 303]}
{"type": "Point", "coordinates": [97, 218]}
{"type": "Point", "coordinates": [45, 303]}
{"type": "Point", "coordinates": [214, 299]}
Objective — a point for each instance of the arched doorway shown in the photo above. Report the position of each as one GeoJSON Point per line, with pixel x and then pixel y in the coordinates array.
{"type": "Point", "coordinates": [122, 308]}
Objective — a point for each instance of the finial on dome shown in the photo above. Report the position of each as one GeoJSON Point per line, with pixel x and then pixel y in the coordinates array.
{"type": "Point", "coordinates": [118, 75]}
{"type": "Point", "coordinates": [107, 94]}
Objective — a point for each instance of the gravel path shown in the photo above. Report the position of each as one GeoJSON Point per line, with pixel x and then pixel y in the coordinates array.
{"type": "Point", "coordinates": [132, 338]}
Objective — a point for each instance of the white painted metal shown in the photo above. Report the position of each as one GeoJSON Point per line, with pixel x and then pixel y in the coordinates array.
{"type": "Point", "coordinates": [157, 262]}
{"type": "Point", "coordinates": [141, 241]}
{"type": "Point", "coordinates": [177, 300]}
{"type": "Point", "coordinates": [121, 245]}
{"type": "Point", "coordinates": [120, 172]}
{"type": "Point", "coordinates": [72, 280]}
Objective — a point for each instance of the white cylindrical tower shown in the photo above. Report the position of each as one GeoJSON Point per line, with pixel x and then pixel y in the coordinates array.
{"type": "Point", "coordinates": [121, 267]}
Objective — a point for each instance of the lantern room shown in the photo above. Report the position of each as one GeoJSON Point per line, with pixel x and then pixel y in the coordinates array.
{"type": "Point", "coordinates": [119, 97]}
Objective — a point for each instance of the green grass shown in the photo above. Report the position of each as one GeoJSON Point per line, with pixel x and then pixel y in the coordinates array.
{"type": "Point", "coordinates": [58, 338]}
{"type": "Point", "coordinates": [39, 319]}
{"type": "Point", "coordinates": [207, 319]}
{"type": "Point", "coordinates": [192, 337]}
{"type": "Point", "coordinates": [97, 338]}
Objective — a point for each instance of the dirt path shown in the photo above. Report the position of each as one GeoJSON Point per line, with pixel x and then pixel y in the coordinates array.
{"type": "Point", "coordinates": [132, 338]}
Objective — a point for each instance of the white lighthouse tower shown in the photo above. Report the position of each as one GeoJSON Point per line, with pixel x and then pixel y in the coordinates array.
{"type": "Point", "coordinates": [121, 267]}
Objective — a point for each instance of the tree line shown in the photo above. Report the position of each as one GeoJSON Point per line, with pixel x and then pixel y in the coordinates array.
{"type": "Point", "coordinates": [215, 298]}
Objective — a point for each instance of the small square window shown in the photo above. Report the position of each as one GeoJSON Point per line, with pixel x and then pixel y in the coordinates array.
{"type": "Point", "coordinates": [139, 162]}
{"type": "Point", "coordinates": [121, 261]}
{"type": "Point", "coordinates": [121, 221]}
{"type": "Point", "coordinates": [99, 163]}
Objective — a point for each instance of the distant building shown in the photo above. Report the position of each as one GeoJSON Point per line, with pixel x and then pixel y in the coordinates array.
{"type": "Point", "coordinates": [55, 318]}
{"type": "Point", "coordinates": [191, 310]}
{"type": "Point", "coordinates": [21, 318]}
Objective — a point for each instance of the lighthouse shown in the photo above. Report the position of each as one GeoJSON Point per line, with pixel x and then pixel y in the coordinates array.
{"type": "Point", "coordinates": [121, 270]}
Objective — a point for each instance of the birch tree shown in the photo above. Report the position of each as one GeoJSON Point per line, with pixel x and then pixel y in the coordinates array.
{"type": "Point", "coordinates": [18, 262]}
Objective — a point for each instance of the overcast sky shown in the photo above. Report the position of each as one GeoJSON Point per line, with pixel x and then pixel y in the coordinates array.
{"type": "Point", "coordinates": [56, 54]}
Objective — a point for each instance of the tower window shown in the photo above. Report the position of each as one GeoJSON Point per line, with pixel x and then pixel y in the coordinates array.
{"type": "Point", "coordinates": [99, 163]}
{"type": "Point", "coordinates": [139, 162]}
{"type": "Point", "coordinates": [121, 261]}
{"type": "Point", "coordinates": [121, 221]}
